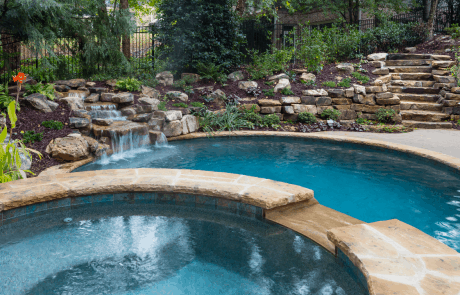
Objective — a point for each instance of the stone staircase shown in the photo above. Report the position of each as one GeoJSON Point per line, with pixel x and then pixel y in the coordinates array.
{"type": "Point", "coordinates": [418, 79]}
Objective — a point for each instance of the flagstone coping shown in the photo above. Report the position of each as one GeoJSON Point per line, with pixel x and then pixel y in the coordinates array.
{"type": "Point", "coordinates": [264, 193]}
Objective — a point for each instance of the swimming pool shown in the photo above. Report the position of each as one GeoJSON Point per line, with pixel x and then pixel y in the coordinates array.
{"type": "Point", "coordinates": [152, 249]}
{"type": "Point", "coordinates": [368, 183]}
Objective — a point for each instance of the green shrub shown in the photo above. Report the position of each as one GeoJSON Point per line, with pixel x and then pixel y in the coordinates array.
{"type": "Point", "coordinates": [179, 84]}
{"type": "Point", "coordinates": [385, 115]}
{"type": "Point", "coordinates": [5, 99]}
{"type": "Point", "coordinates": [45, 89]}
{"type": "Point", "coordinates": [345, 83]}
{"type": "Point", "coordinates": [331, 114]}
{"type": "Point", "coordinates": [307, 118]}
{"type": "Point", "coordinates": [360, 77]}
{"type": "Point", "coordinates": [268, 92]}
{"type": "Point", "coordinates": [229, 120]}
{"type": "Point", "coordinates": [329, 84]}
{"type": "Point", "coordinates": [128, 84]}
{"type": "Point", "coordinates": [286, 91]}
{"type": "Point", "coordinates": [210, 71]}
{"type": "Point", "coordinates": [267, 63]}
{"type": "Point", "coordinates": [188, 89]}
{"type": "Point", "coordinates": [270, 120]}
{"type": "Point", "coordinates": [363, 121]}
{"type": "Point", "coordinates": [197, 104]}
{"type": "Point", "coordinates": [180, 105]}
{"type": "Point", "coordinates": [269, 83]}
{"type": "Point", "coordinates": [56, 125]}
{"type": "Point", "coordinates": [308, 83]}
{"type": "Point", "coordinates": [453, 30]}
{"type": "Point", "coordinates": [31, 136]}
{"type": "Point", "coordinates": [162, 106]}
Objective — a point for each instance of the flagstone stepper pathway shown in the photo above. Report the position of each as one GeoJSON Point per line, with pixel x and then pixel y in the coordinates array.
{"type": "Point", "coordinates": [388, 257]}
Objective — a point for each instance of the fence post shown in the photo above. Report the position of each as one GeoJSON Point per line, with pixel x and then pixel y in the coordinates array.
{"type": "Point", "coordinates": [153, 45]}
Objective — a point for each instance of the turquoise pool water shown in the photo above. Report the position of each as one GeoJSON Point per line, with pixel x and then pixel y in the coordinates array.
{"type": "Point", "coordinates": [367, 183]}
{"type": "Point", "coordinates": [158, 249]}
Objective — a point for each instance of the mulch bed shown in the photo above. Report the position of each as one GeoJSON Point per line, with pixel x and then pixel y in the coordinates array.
{"type": "Point", "coordinates": [432, 46]}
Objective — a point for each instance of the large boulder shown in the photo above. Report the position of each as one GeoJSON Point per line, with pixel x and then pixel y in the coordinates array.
{"type": "Point", "coordinates": [52, 105]}
{"type": "Point", "coordinates": [149, 101]}
{"type": "Point", "coordinates": [193, 77]}
{"type": "Point", "coordinates": [308, 77]}
{"type": "Point", "coordinates": [107, 97]}
{"type": "Point", "coordinates": [189, 124]}
{"type": "Point", "coordinates": [345, 68]}
{"type": "Point", "coordinates": [92, 98]}
{"type": "Point", "coordinates": [312, 92]}
{"type": "Point", "coordinates": [124, 97]}
{"type": "Point", "coordinates": [172, 116]}
{"type": "Point", "coordinates": [73, 83]}
{"type": "Point", "coordinates": [245, 85]}
{"type": "Point", "coordinates": [79, 122]}
{"type": "Point", "coordinates": [70, 148]}
{"type": "Point", "coordinates": [39, 102]}
{"type": "Point", "coordinates": [165, 78]}
{"type": "Point", "coordinates": [150, 92]}
{"type": "Point", "coordinates": [236, 76]}
{"type": "Point", "coordinates": [172, 128]}
{"type": "Point", "coordinates": [282, 84]}
{"type": "Point", "coordinates": [177, 95]}
{"type": "Point", "coordinates": [377, 56]}
{"type": "Point", "coordinates": [276, 78]}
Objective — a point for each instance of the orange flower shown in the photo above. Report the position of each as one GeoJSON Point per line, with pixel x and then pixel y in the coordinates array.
{"type": "Point", "coordinates": [19, 77]}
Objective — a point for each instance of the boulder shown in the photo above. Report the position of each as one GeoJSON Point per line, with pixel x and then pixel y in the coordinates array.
{"type": "Point", "coordinates": [282, 84]}
{"type": "Point", "coordinates": [317, 92]}
{"type": "Point", "coordinates": [52, 105]}
{"type": "Point", "coordinates": [276, 78]}
{"type": "Point", "coordinates": [206, 88]}
{"type": "Point", "coordinates": [269, 102]}
{"type": "Point", "coordinates": [123, 97]}
{"type": "Point", "coordinates": [189, 124]}
{"type": "Point", "coordinates": [61, 88]}
{"type": "Point", "coordinates": [270, 110]}
{"type": "Point", "coordinates": [165, 78]}
{"type": "Point", "coordinates": [349, 92]}
{"type": "Point", "coordinates": [410, 49]}
{"type": "Point", "coordinates": [377, 64]}
{"type": "Point", "coordinates": [308, 77]}
{"type": "Point", "coordinates": [377, 56]}
{"type": "Point", "coordinates": [345, 68]}
{"type": "Point", "coordinates": [347, 115]}
{"type": "Point", "coordinates": [98, 90]}
{"type": "Point", "coordinates": [79, 122]}
{"type": "Point", "coordinates": [364, 99]}
{"type": "Point", "coordinates": [73, 83]}
{"type": "Point", "coordinates": [381, 71]}
{"type": "Point", "coordinates": [173, 128]}
{"type": "Point", "coordinates": [90, 84]}
{"type": "Point", "coordinates": [236, 76]}
{"type": "Point", "coordinates": [177, 95]}
{"type": "Point", "coordinates": [218, 94]}
{"type": "Point", "coordinates": [142, 118]}
{"type": "Point", "coordinates": [288, 110]}
{"type": "Point", "coordinates": [289, 100]}
{"type": "Point", "coordinates": [68, 148]}
{"type": "Point", "coordinates": [324, 101]}
{"type": "Point", "coordinates": [144, 109]}
{"type": "Point", "coordinates": [245, 85]}
{"type": "Point", "coordinates": [150, 92]}
{"type": "Point", "coordinates": [382, 80]}
{"type": "Point", "coordinates": [193, 77]}
{"type": "Point", "coordinates": [444, 79]}
{"type": "Point", "coordinates": [442, 63]}
{"type": "Point", "coordinates": [309, 100]}
{"type": "Point", "coordinates": [102, 122]}
{"type": "Point", "coordinates": [39, 102]}
{"type": "Point", "coordinates": [92, 98]}
{"type": "Point", "coordinates": [384, 95]}
{"type": "Point", "coordinates": [172, 116]}
{"type": "Point", "coordinates": [156, 124]}
{"type": "Point", "coordinates": [393, 100]}
{"type": "Point", "coordinates": [340, 101]}
{"type": "Point", "coordinates": [107, 97]}
{"type": "Point", "coordinates": [336, 92]}
{"type": "Point", "coordinates": [359, 89]}
{"type": "Point", "coordinates": [149, 101]}
{"type": "Point", "coordinates": [300, 108]}
{"type": "Point", "coordinates": [375, 89]}
{"type": "Point", "coordinates": [75, 103]}
{"type": "Point", "coordinates": [92, 143]}
{"type": "Point", "coordinates": [128, 111]}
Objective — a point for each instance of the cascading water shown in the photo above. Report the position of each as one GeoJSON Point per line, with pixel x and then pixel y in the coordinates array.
{"type": "Point", "coordinates": [106, 112]}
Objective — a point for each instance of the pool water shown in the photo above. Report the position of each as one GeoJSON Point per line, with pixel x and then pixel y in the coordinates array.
{"type": "Point", "coordinates": [368, 183]}
{"type": "Point", "coordinates": [160, 249]}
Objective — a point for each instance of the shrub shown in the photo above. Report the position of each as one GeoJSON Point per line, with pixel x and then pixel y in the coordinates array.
{"type": "Point", "coordinates": [331, 114]}
{"type": "Point", "coordinates": [453, 30]}
{"type": "Point", "coordinates": [128, 84]}
{"type": "Point", "coordinates": [56, 125]}
{"type": "Point", "coordinates": [308, 83]}
{"type": "Point", "coordinates": [345, 83]}
{"type": "Point", "coordinates": [329, 84]}
{"type": "Point", "coordinates": [193, 31]}
{"type": "Point", "coordinates": [179, 84]}
{"type": "Point", "coordinates": [385, 115]}
{"type": "Point", "coordinates": [270, 120]}
{"type": "Point", "coordinates": [180, 105]}
{"type": "Point", "coordinates": [360, 77]}
{"type": "Point", "coordinates": [196, 104]}
{"type": "Point", "coordinates": [363, 121]}
{"type": "Point", "coordinates": [286, 91]}
{"type": "Point", "coordinates": [162, 106]}
{"type": "Point", "coordinates": [210, 71]}
{"type": "Point", "coordinates": [307, 118]}
{"type": "Point", "coordinates": [229, 120]}
{"type": "Point", "coordinates": [31, 136]}
{"type": "Point", "coordinates": [253, 91]}
{"type": "Point", "coordinates": [268, 92]}
{"type": "Point", "coordinates": [269, 83]}
{"type": "Point", "coordinates": [45, 89]}
{"type": "Point", "coordinates": [267, 63]}
{"type": "Point", "coordinates": [5, 99]}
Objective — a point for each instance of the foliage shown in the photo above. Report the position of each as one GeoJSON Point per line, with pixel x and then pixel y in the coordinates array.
{"type": "Point", "coordinates": [56, 125]}
{"type": "Point", "coordinates": [229, 120]}
{"type": "Point", "coordinates": [253, 91]}
{"type": "Point", "coordinates": [308, 82]}
{"type": "Point", "coordinates": [270, 120]}
{"type": "Point", "coordinates": [128, 84]}
{"type": "Point", "coordinates": [10, 158]}
{"type": "Point", "coordinates": [5, 99]}
{"type": "Point", "coordinates": [345, 83]}
{"type": "Point", "coordinates": [180, 105]}
{"type": "Point", "coordinates": [179, 84]}
{"type": "Point", "coordinates": [162, 106]}
{"type": "Point", "coordinates": [360, 77]}
{"type": "Point", "coordinates": [455, 68]}
{"type": "Point", "coordinates": [329, 84]}
{"type": "Point", "coordinates": [291, 75]}
{"type": "Point", "coordinates": [31, 136]}
{"type": "Point", "coordinates": [45, 89]}
{"type": "Point", "coordinates": [197, 104]}
{"type": "Point", "coordinates": [233, 99]}
{"type": "Point", "coordinates": [453, 30]}
{"type": "Point", "coordinates": [331, 114]}
{"type": "Point", "coordinates": [195, 31]}
{"type": "Point", "coordinates": [210, 71]}
{"type": "Point", "coordinates": [269, 83]}
{"type": "Point", "coordinates": [385, 115]}
{"type": "Point", "coordinates": [268, 92]}
{"type": "Point", "coordinates": [307, 118]}
{"type": "Point", "coordinates": [363, 121]}
{"type": "Point", "coordinates": [286, 91]}
{"type": "Point", "coordinates": [267, 63]}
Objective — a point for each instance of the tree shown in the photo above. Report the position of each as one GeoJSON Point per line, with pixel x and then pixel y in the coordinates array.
{"type": "Point", "coordinates": [430, 24]}
{"type": "Point", "coordinates": [126, 44]}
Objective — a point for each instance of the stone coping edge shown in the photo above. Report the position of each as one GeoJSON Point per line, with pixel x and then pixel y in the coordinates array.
{"type": "Point", "coordinates": [264, 193]}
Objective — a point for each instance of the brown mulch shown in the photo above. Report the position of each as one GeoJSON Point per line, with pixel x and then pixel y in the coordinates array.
{"type": "Point", "coordinates": [431, 46]}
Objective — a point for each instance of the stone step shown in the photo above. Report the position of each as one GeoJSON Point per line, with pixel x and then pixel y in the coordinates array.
{"type": "Point", "coordinates": [416, 76]}
{"type": "Point", "coordinates": [409, 83]}
{"type": "Point", "coordinates": [420, 106]}
{"type": "Point", "coordinates": [410, 62]}
{"type": "Point", "coordinates": [426, 116]}
{"type": "Point", "coordinates": [410, 69]}
{"type": "Point", "coordinates": [418, 97]}
{"type": "Point", "coordinates": [405, 56]}
{"type": "Point", "coordinates": [427, 125]}
{"type": "Point", "coordinates": [416, 90]}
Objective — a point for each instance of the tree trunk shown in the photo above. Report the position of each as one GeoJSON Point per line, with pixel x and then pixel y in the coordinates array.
{"type": "Point", "coordinates": [426, 10]}
{"type": "Point", "coordinates": [11, 52]}
{"type": "Point", "coordinates": [126, 43]}
{"type": "Point", "coordinates": [430, 25]}
{"type": "Point", "coordinates": [240, 7]}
